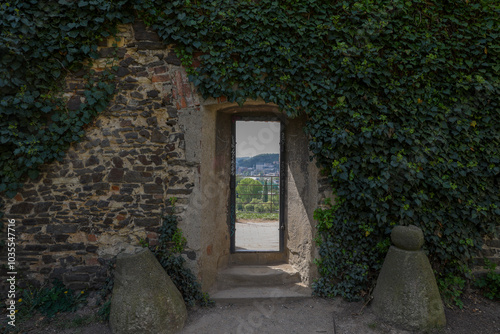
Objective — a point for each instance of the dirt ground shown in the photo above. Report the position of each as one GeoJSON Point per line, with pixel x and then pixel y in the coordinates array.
{"type": "Point", "coordinates": [308, 316]}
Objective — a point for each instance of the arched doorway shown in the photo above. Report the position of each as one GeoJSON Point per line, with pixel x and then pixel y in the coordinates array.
{"type": "Point", "coordinates": [210, 209]}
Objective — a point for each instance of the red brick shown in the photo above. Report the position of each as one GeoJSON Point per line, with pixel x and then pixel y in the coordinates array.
{"type": "Point", "coordinates": [160, 78]}
{"type": "Point", "coordinates": [161, 69]}
{"type": "Point", "coordinates": [92, 237]}
{"type": "Point", "coordinates": [178, 83]}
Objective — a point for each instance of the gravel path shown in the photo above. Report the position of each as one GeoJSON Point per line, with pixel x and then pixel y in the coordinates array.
{"type": "Point", "coordinates": [257, 236]}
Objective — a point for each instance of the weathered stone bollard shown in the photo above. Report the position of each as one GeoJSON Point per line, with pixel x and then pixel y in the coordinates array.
{"type": "Point", "coordinates": [406, 293]}
{"type": "Point", "coordinates": [144, 299]}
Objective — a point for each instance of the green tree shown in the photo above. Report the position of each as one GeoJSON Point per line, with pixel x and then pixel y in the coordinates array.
{"type": "Point", "coordinates": [248, 189]}
{"type": "Point", "coordinates": [264, 193]}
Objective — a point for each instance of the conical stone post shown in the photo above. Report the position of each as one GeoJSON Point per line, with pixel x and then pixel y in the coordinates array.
{"type": "Point", "coordinates": [406, 293]}
{"type": "Point", "coordinates": [144, 298]}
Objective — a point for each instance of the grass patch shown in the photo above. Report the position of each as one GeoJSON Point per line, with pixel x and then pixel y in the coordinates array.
{"type": "Point", "coordinates": [257, 215]}
{"type": "Point", "coordinates": [49, 300]}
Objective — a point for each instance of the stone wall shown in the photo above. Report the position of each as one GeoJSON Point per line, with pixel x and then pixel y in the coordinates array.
{"type": "Point", "coordinates": [112, 189]}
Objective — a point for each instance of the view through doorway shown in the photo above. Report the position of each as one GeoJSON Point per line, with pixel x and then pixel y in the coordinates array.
{"type": "Point", "coordinates": [257, 187]}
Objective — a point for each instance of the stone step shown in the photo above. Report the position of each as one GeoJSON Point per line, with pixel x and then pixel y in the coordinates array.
{"type": "Point", "coordinates": [252, 295]}
{"type": "Point", "coordinates": [257, 276]}
{"type": "Point", "coordinates": [257, 258]}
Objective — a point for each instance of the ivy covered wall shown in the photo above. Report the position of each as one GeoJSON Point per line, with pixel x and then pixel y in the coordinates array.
{"type": "Point", "coordinates": [401, 100]}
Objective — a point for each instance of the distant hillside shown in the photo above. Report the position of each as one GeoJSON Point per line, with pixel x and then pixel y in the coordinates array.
{"type": "Point", "coordinates": [258, 160]}
{"type": "Point", "coordinates": [239, 159]}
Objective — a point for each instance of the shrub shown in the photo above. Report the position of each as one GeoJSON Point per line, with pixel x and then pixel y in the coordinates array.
{"type": "Point", "coordinates": [250, 207]}
{"type": "Point", "coordinates": [489, 283]}
{"type": "Point", "coordinates": [263, 207]}
{"type": "Point", "coordinates": [451, 287]}
{"type": "Point", "coordinates": [50, 300]}
{"type": "Point", "coordinates": [269, 205]}
{"type": "Point", "coordinates": [259, 208]}
{"type": "Point", "coordinates": [171, 244]}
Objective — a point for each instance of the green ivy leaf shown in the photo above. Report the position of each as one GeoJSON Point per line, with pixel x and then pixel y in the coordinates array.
{"type": "Point", "coordinates": [33, 174]}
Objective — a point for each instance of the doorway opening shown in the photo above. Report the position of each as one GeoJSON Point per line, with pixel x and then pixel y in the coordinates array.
{"type": "Point", "coordinates": [257, 185]}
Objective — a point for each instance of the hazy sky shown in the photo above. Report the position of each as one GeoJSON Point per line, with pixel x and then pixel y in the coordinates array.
{"type": "Point", "coordinates": [253, 138]}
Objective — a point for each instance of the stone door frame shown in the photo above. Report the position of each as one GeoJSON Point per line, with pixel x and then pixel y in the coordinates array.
{"type": "Point", "coordinates": [207, 219]}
